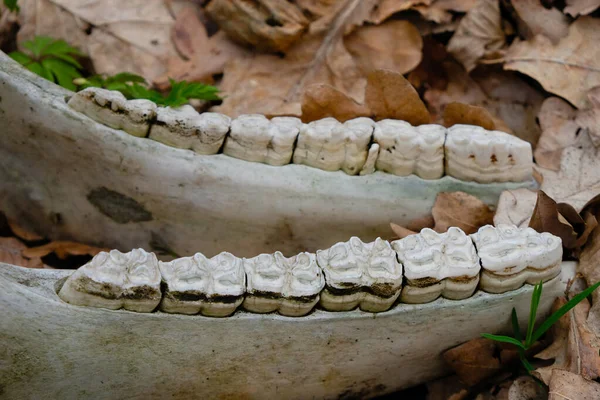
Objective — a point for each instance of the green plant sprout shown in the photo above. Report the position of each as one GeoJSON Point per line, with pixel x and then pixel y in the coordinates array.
{"type": "Point", "coordinates": [11, 5]}
{"type": "Point", "coordinates": [51, 59]}
{"type": "Point", "coordinates": [533, 335]}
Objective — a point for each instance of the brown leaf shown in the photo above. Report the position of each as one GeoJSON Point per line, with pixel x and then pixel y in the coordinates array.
{"type": "Point", "coordinates": [23, 232]}
{"type": "Point", "coordinates": [568, 386]}
{"type": "Point", "coordinates": [62, 249]}
{"type": "Point", "coordinates": [390, 95]}
{"type": "Point", "coordinates": [568, 69]}
{"type": "Point", "coordinates": [462, 210]}
{"type": "Point", "coordinates": [515, 207]}
{"type": "Point", "coordinates": [559, 130]}
{"type": "Point", "coordinates": [546, 218]}
{"type": "Point", "coordinates": [387, 8]}
{"type": "Point", "coordinates": [589, 267]}
{"type": "Point", "coordinates": [11, 250]}
{"type": "Point", "coordinates": [574, 347]}
{"type": "Point", "coordinates": [459, 113]}
{"type": "Point", "coordinates": [589, 118]}
{"type": "Point", "coordinates": [478, 33]}
{"type": "Point", "coordinates": [581, 7]}
{"type": "Point", "coordinates": [401, 231]}
{"type": "Point", "coordinates": [322, 100]}
{"type": "Point", "coordinates": [535, 19]}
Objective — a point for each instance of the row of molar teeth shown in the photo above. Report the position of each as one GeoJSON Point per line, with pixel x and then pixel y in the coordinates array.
{"type": "Point", "coordinates": [358, 146]}
{"type": "Point", "coordinates": [347, 275]}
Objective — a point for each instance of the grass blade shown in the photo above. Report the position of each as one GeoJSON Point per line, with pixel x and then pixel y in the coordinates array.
{"type": "Point", "coordinates": [515, 325]}
{"type": "Point", "coordinates": [504, 339]}
{"type": "Point", "coordinates": [535, 302]}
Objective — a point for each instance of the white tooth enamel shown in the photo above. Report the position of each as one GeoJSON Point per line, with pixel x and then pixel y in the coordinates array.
{"type": "Point", "coordinates": [116, 280]}
{"type": "Point", "coordinates": [408, 150]}
{"type": "Point", "coordinates": [475, 154]}
{"type": "Point", "coordinates": [284, 131]}
{"type": "Point", "coordinates": [249, 138]}
{"type": "Point", "coordinates": [446, 261]}
{"type": "Point", "coordinates": [290, 286]}
{"type": "Point", "coordinates": [111, 108]}
{"type": "Point", "coordinates": [369, 273]}
{"type": "Point", "coordinates": [369, 166]}
{"type": "Point", "coordinates": [321, 145]}
{"type": "Point", "coordinates": [357, 133]}
{"type": "Point", "coordinates": [185, 128]}
{"type": "Point", "coordinates": [511, 256]}
{"type": "Point", "coordinates": [214, 287]}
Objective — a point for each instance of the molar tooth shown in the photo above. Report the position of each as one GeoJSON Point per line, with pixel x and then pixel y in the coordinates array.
{"type": "Point", "coordinates": [430, 163]}
{"type": "Point", "coordinates": [112, 109]}
{"type": "Point", "coordinates": [321, 145]}
{"type": "Point", "coordinates": [115, 280]}
{"type": "Point", "coordinates": [511, 256]}
{"type": "Point", "coordinates": [214, 287]}
{"type": "Point", "coordinates": [358, 274]}
{"type": "Point", "coordinates": [437, 264]}
{"type": "Point", "coordinates": [369, 166]}
{"type": "Point", "coordinates": [249, 138]}
{"type": "Point", "coordinates": [357, 133]}
{"type": "Point", "coordinates": [284, 131]}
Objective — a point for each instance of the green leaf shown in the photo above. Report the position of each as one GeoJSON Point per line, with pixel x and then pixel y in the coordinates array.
{"type": "Point", "coordinates": [64, 73]}
{"type": "Point", "coordinates": [125, 77]}
{"type": "Point", "coordinates": [68, 59]}
{"type": "Point", "coordinates": [59, 47]}
{"type": "Point", "coordinates": [505, 339]}
{"type": "Point", "coordinates": [37, 45]}
{"type": "Point", "coordinates": [515, 325]}
{"type": "Point", "coordinates": [562, 311]}
{"type": "Point", "coordinates": [11, 5]}
{"type": "Point", "coordinates": [535, 302]}
{"type": "Point", "coordinates": [19, 57]}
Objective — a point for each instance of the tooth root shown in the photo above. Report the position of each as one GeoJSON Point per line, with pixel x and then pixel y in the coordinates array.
{"type": "Point", "coordinates": [321, 145]}
{"type": "Point", "coordinates": [512, 256]}
{"type": "Point", "coordinates": [357, 133]}
{"type": "Point", "coordinates": [112, 109]}
{"type": "Point", "coordinates": [285, 130]}
{"type": "Point", "coordinates": [249, 138]}
{"type": "Point", "coordinates": [357, 274]}
{"type": "Point", "coordinates": [488, 156]}
{"type": "Point", "coordinates": [369, 166]}
{"type": "Point", "coordinates": [214, 287]}
{"type": "Point", "coordinates": [438, 264]}
{"type": "Point", "coordinates": [115, 280]}
{"type": "Point", "coordinates": [290, 286]}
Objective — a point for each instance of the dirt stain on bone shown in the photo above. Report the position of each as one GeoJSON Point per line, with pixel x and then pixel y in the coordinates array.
{"type": "Point", "coordinates": [118, 207]}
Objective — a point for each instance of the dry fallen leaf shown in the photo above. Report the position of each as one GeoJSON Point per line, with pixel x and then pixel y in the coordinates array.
{"type": "Point", "coordinates": [400, 231]}
{"type": "Point", "coordinates": [568, 386]}
{"type": "Point", "coordinates": [460, 113]}
{"type": "Point", "coordinates": [515, 207]}
{"type": "Point", "coordinates": [11, 252]}
{"type": "Point", "coordinates": [589, 118]}
{"type": "Point", "coordinates": [62, 249]}
{"type": "Point", "coordinates": [589, 267]}
{"type": "Point", "coordinates": [535, 19]}
{"type": "Point", "coordinates": [22, 232]}
{"type": "Point", "coordinates": [479, 33]}
{"type": "Point", "coordinates": [559, 130]}
{"type": "Point", "coordinates": [546, 217]}
{"type": "Point", "coordinates": [581, 7]}
{"type": "Point", "coordinates": [568, 69]}
{"type": "Point", "coordinates": [461, 210]}
{"type": "Point", "coordinates": [322, 100]}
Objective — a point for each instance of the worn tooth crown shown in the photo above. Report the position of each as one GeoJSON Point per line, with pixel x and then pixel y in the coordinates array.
{"type": "Point", "coordinates": [305, 278]}
{"type": "Point", "coordinates": [357, 133]}
{"type": "Point", "coordinates": [321, 145]}
{"type": "Point", "coordinates": [284, 131]}
{"type": "Point", "coordinates": [249, 138]}
{"type": "Point", "coordinates": [475, 154]}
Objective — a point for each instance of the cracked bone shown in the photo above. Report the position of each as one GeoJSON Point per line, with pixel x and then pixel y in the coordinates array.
{"type": "Point", "coordinates": [214, 287]}
{"type": "Point", "coordinates": [183, 127]}
{"type": "Point", "coordinates": [438, 264]}
{"type": "Point", "coordinates": [369, 166]}
{"type": "Point", "coordinates": [406, 150]}
{"type": "Point", "coordinates": [290, 286]}
{"type": "Point", "coordinates": [367, 275]}
{"type": "Point", "coordinates": [512, 256]}
{"type": "Point", "coordinates": [116, 280]}
{"type": "Point", "coordinates": [112, 109]}
{"type": "Point", "coordinates": [476, 154]}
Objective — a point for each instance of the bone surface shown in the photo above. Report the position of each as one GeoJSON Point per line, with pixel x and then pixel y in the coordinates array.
{"type": "Point", "coordinates": [476, 154]}
{"type": "Point", "coordinates": [284, 132]}
{"type": "Point", "coordinates": [437, 264]}
{"type": "Point", "coordinates": [369, 166]}
{"type": "Point", "coordinates": [214, 287]}
{"type": "Point", "coordinates": [367, 275]}
{"type": "Point", "coordinates": [357, 134]}
{"type": "Point", "coordinates": [406, 150]}
{"type": "Point", "coordinates": [185, 128]}
{"type": "Point", "coordinates": [512, 256]}
{"type": "Point", "coordinates": [321, 145]}
{"type": "Point", "coordinates": [111, 108]}
{"type": "Point", "coordinates": [290, 286]}
{"type": "Point", "coordinates": [115, 280]}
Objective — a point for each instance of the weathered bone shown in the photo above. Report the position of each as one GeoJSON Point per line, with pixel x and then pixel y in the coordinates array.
{"type": "Point", "coordinates": [213, 287]}
{"type": "Point", "coordinates": [284, 131]}
{"type": "Point", "coordinates": [321, 145]}
{"type": "Point", "coordinates": [369, 166]}
{"type": "Point", "coordinates": [185, 128]}
{"type": "Point", "coordinates": [475, 154]}
{"type": "Point", "coordinates": [357, 134]}
{"type": "Point", "coordinates": [438, 264]}
{"type": "Point", "coordinates": [249, 138]}
{"type": "Point", "coordinates": [111, 108]}
{"type": "Point", "coordinates": [511, 256]}
{"type": "Point", "coordinates": [290, 286]}
{"type": "Point", "coordinates": [360, 274]}
{"type": "Point", "coordinates": [115, 280]}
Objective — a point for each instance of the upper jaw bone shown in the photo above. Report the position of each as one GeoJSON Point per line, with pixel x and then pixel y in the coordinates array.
{"type": "Point", "coordinates": [111, 108]}
{"type": "Point", "coordinates": [116, 280]}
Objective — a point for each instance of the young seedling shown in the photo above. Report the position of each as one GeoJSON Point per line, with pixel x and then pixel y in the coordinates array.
{"type": "Point", "coordinates": [11, 5]}
{"type": "Point", "coordinates": [533, 335]}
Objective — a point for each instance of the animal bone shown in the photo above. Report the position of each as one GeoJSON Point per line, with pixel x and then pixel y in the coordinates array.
{"type": "Point", "coordinates": [408, 150]}
{"type": "Point", "coordinates": [511, 256]}
{"type": "Point", "coordinates": [475, 154]}
{"type": "Point", "coordinates": [249, 138]}
{"type": "Point", "coordinates": [290, 286]}
{"type": "Point", "coordinates": [369, 166]}
{"type": "Point", "coordinates": [185, 128]}
{"type": "Point", "coordinates": [115, 280]}
{"type": "Point", "coordinates": [284, 131]}
{"type": "Point", "coordinates": [321, 145]}
{"type": "Point", "coordinates": [360, 274]}
{"type": "Point", "coordinates": [214, 287]}
{"type": "Point", "coordinates": [357, 135]}
{"type": "Point", "coordinates": [112, 109]}
{"type": "Point", "coordinates": [430, 258]}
